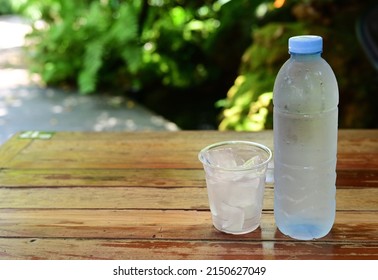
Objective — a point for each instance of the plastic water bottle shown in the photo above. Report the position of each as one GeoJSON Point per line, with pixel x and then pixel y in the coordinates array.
{"type": "Point", "coordinates": [305, 98]}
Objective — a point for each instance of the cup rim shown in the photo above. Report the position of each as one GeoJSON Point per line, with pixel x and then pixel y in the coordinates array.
{"type": "Point", "coordinates": [251, 143]}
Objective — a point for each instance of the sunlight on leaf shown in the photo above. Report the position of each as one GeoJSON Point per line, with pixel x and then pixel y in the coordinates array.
{"type": "Point", "coordinates": [178, 16]}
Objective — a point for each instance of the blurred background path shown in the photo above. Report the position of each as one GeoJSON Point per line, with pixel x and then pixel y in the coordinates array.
{"type": "Point", "coordinates": [25, 105]}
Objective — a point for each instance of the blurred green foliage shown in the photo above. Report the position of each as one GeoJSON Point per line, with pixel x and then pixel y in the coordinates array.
{"type": "Point", "coordinates": [248, 105]}
{"type": "Point", "coordinates": [167, 54]}
{"type": "Point", "coordinates": [6, 7]}
{"type": "Point", "coordinates": [84, 42]}
{"type": "Point", "coordinates": [130, 44]}
{"type": "Point", "coordinates": [179, 57]}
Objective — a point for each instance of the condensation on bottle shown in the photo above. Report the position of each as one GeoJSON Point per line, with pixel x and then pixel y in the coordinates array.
{"type": "Point", "coordinates": [305, 117]}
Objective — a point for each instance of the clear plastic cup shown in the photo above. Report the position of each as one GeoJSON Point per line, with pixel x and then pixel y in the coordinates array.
{"type": "Point", "coordinates": [235, 179]}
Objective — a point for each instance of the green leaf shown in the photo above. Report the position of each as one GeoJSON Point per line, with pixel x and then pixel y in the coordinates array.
{"type": "Point", "coordinates": [92, 63]}
{"type": "Point", "coordinates": [125, 27]}
{"type": "Point", "coordinates": [132, 55]}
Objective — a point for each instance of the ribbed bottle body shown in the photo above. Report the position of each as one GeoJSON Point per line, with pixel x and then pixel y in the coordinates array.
{"type": "Point", "coordinates": [305, 147]}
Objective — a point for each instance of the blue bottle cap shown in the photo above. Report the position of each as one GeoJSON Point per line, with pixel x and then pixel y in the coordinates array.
{"type": "Point", "coordinates": [305, 44]}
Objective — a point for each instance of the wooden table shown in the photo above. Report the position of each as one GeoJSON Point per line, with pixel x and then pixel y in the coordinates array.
{"type": "Point", "coordinates": [143, 196]}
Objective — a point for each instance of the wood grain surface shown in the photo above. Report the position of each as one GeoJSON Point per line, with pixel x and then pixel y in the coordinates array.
{"type": "Point", "coordinates": [142, 195]}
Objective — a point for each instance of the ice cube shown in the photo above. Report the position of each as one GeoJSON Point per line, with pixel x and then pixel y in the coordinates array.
{"type": "Point", "coordinates": [232, 157]}
{"type": "Point", "coordinates": [252, 215]}
{"type": "Point", "coordinates": [255, 160]}
{"type": "Point", "coordinates": [233, 218]}
{"type": "Point", "coordinates": [221, 157]}
{"type": "Point", "coordinates": [243, 192]}
{"type": "Point", "coordinates": [252, 211]}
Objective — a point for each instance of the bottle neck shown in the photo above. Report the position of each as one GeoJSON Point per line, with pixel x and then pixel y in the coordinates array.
{"type": "Point", "coordinates": [305, 57]}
